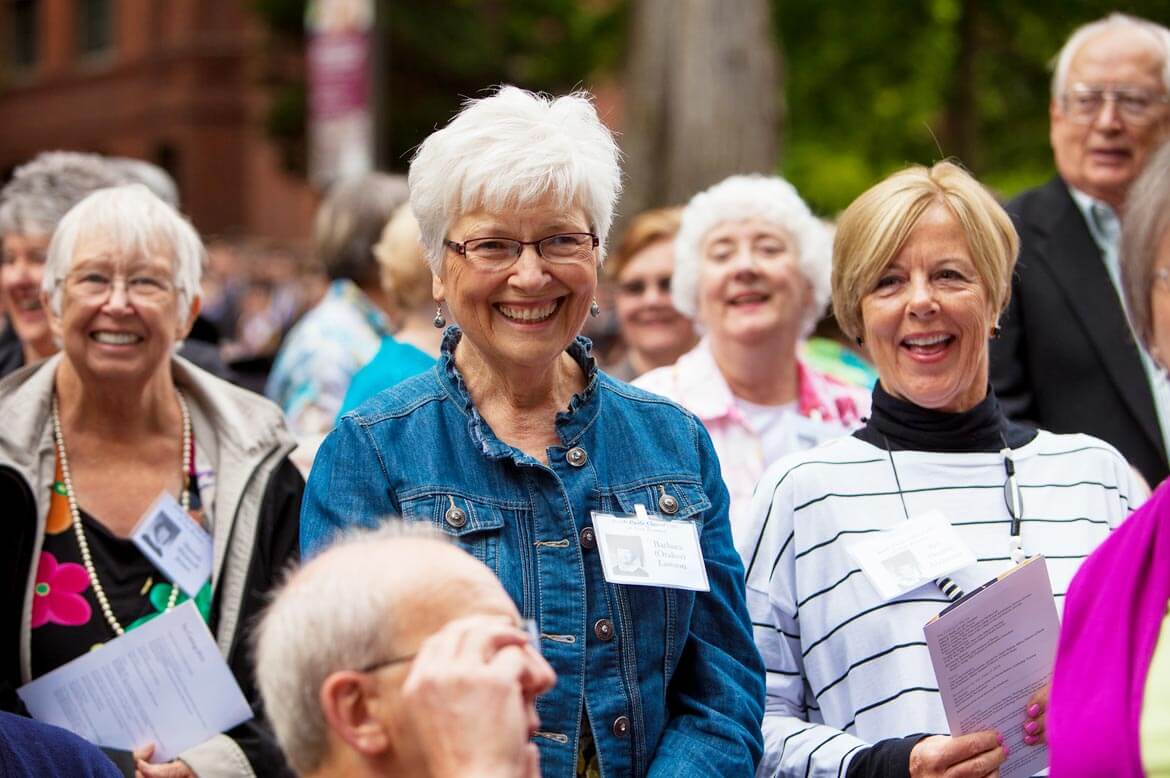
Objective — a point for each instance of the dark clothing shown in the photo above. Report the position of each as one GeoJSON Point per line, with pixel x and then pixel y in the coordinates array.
{"type": "Point", "coordinates": [1067, 360]}
{"type": "Point", "coordinates": [11, 351]}
{"type": "Point", "coordinates": [898, 425]}
{"type": "Point", "coordinates": [29, 748]}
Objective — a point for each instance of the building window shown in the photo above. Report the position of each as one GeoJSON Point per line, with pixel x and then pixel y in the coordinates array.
{"type": "Point", "coordinates": [95, 26]}
{"type": "Point", "coordinates": [25, 33]}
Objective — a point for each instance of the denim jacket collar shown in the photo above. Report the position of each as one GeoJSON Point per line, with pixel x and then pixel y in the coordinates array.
{"type": "Point", "coordinates": [570, 423]}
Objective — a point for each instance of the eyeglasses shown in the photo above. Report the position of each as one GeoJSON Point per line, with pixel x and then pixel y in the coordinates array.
{"type": "Point", "coordinates": [97, 285]}
{"type": "Point", "coordinates": [564, 248]}
{"type": "Point", "coordinates": [638, 287]}
{"type": "Point", "coordinates": [1082, 104]}
{"type": "Point", "coordinates": [528, 625]}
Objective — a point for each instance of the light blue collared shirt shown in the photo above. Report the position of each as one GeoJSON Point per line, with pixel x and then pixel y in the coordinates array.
{"type": "Point", "coordinates": [1105, 227]}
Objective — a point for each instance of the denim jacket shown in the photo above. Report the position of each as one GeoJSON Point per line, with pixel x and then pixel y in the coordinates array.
{"type": "Point", "coordinates": [670, 679]}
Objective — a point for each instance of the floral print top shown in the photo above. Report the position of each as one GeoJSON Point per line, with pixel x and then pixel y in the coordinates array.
{"type": "Point", "coordinates": [67, 620]}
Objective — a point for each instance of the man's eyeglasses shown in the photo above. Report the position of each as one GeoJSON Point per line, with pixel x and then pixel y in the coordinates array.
{"type": "Point", "coordinates": [564, 248]}
{"type": "Point", "coordinates": [1082, 104]}
{"type": "Point", "coordinates": [528, 625]}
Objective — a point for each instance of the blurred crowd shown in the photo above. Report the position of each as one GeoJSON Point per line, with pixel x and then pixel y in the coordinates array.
{"type": "Point", "coordinates": [442, 452]}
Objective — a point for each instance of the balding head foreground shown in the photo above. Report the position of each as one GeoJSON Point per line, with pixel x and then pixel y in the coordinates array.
{"type": "Point", "coordinates": [396, 653]}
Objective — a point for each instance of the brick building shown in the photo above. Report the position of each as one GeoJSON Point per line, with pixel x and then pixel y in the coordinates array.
{"type": "Point", "coordinates": [176, 82]}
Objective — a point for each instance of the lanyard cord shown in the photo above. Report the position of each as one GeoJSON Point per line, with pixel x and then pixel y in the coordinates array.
{"type": "Point", "coordinates": [1013, 498]}
{"type": "Point", "coordinates": [951, 590]}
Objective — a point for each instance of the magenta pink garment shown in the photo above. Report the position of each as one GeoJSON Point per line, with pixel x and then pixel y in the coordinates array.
{"type": "Point", "coordinates": [1112, 617]}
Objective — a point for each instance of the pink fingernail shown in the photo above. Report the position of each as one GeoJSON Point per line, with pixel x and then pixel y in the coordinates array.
{"type": "Point", "coordinates": [999, 738]}
{"type": "Point", "coordinates": [1007, 750]}
{"type": "Point", "coordinates": [1030, 740]}
{"type": "Point", "coordinates": [1034, 710]}
{"type": "Point", "coordinates": [1031, 727]}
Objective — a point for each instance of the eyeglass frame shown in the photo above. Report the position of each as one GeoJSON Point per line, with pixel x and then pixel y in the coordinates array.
{"type": "Point", "coordinates": [71, 281]}
{"type": "Point", "coordinates": [529, 626]}
{"type": "Point", "coordinates": [461, 248]}
{"type": "Point", "coordinates": [1114, 94]}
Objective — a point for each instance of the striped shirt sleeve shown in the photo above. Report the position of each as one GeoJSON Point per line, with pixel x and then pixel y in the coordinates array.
{"type": "Point", "coordinates": [795, 743]}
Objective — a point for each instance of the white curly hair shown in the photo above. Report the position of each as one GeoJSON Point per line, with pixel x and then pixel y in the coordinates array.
{"type": "Point", "coordinates": [771, 199]}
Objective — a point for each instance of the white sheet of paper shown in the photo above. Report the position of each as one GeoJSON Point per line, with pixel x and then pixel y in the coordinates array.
{"type": "Point", "coordinates": [643, 550]}
{"type": "Point", "coordinates": [913, 553]}
{"type": "Point", "coordinates": [175, 544]}
{"type": "Point", "coordinates": [991, 651]}
{"type": "Point", "coordinates": [164, 683]}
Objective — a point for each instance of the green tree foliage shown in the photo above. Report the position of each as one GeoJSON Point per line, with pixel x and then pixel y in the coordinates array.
{"type": "Point", "coordinates": [875, 86]}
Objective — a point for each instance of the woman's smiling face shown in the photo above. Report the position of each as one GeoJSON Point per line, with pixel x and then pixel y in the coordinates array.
{"type": "Point", "coordinates": [525, 315]}
{"type": "Point", "coordinates": [928, 319]}
{"type": "Point", "coordinates": [750, 284]}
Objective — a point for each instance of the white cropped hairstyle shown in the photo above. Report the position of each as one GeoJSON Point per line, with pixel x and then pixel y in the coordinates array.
{"type": "Point", "coordinates": [321, 622]}
{"type": "Point", "coordinates": [512, 150]}
{"type": "Point", "coordinates": [43, 190]}
{"type": "Point", "coordinates": [136, 221]}
{"type": "Point", "coordinates": [1158, 35]}
{"type": "Point", "coordinates": [771, 199]}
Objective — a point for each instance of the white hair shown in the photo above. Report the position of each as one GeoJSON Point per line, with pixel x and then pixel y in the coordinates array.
{"type": "Point", "coordinates": [43, 190]}
{"type": "Point", "coordinates": [1157, 35]}
{"type": "Point", "coordinates": [771, 199]}
{"type": "Point", "coordinates": [512, 150]}
{"type": "Point", "coordinates": [136, 221]}
{"type": "Point", "coordinates": [321, 621]}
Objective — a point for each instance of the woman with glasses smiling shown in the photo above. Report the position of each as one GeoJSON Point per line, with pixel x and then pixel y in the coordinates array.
{"type": "Point", "coordinates": [516, 445]}
{"type": "Point", "coordinates": [95, 434]}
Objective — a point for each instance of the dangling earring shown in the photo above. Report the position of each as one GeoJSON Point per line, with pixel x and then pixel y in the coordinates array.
{"type": "Point", "coordinates": [439, 321]}
{"type": "Point", "coordinates": [860, 341]}
{"type": "Point", "coordinates": [996, 331]}
{"type": "Point", "coordinates": [594, 310]}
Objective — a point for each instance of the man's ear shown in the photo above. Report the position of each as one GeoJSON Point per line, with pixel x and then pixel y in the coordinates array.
{"type": "Point", "coordinates": [350, 703]}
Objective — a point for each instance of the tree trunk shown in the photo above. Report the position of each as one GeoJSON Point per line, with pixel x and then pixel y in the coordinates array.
{"type": "Point", "coordinates": [704, 97]}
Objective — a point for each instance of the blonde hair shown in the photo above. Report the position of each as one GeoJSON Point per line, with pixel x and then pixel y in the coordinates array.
{"type": "Point", "coordinates": [876, 225]}
{"type": "Point", "coordinates": [646, 229]}
{"type": "Point", "coordinates": [406, 277]}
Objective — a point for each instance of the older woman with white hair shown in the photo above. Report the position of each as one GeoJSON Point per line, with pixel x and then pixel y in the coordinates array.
{"type": "Point", "coordinates": [520, 448]}
{"type": "Point", "coordinates": [752, 267]}
{"type": "Point", "coordinates": [96, 433]}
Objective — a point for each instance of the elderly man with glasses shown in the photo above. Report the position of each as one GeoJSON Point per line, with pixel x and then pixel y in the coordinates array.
{"type": "Point", "coordinates": [394, 653]}
{"type": "Point", "coordinates": [1066, 360]}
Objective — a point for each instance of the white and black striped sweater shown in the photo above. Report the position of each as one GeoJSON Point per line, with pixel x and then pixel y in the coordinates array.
{"type": "Point", "coordinates": [846, 670]}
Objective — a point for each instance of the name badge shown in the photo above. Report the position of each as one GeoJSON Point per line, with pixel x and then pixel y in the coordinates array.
{"type": "Point", "coordinates": [644, 550]}
{"type": "Point", "coordinates": [175, 544]}
{"type": "Point", "coordinates": [915, 552]}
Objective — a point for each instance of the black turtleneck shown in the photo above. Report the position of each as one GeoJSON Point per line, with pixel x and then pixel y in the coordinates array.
{"type": "Point", "coordinates": [903, 426]}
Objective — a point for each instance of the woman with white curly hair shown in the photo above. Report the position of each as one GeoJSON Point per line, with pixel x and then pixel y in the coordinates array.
{"type": "Point", "coordinates": [752, 266]}
{"type": "Point", "coordinates": [519, 448]}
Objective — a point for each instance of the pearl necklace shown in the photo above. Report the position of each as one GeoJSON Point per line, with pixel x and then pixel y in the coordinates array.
{"type": "Point", "coordinates": [75, 513]}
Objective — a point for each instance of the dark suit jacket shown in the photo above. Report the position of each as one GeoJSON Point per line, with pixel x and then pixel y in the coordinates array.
{"type": "Point", "coordinates": [1067, 360]}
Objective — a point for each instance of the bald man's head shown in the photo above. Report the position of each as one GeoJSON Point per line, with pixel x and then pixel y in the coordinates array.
{"type": "Point", "coordinates": [368, 598]}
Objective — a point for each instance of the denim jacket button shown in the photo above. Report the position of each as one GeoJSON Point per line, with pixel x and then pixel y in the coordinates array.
{"type": "Point", "coordinates": [603, 628]}
{"type": "Point", "coordinates": [621, 726]}
{"type": "Point", "coordinates": [577, 457]}
{"type": "Point", "coordinates": [456, 517]}
{"type": "Point", "coordinates": [588, 539]}
{"type": "Point", "coordinates": [667, 504]}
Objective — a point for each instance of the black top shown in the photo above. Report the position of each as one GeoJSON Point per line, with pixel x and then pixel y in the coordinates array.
{"type": "Point", "coordinates": [899, 425]}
